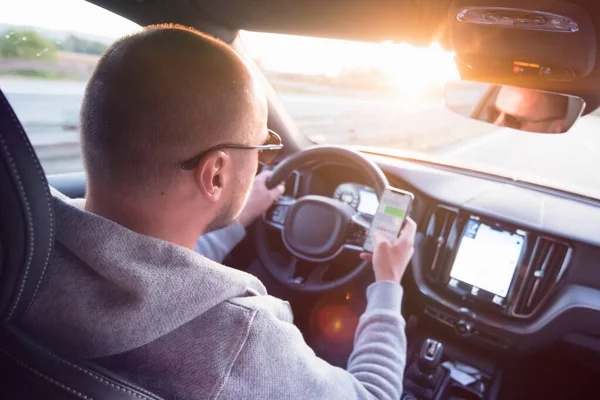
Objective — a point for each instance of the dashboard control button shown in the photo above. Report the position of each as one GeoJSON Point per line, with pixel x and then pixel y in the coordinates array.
{"type": "Point", "coordinates": [463, 327]}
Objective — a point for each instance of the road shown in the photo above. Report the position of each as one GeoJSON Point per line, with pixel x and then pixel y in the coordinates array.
{"type": "Point", "coordinates": [49, 111]}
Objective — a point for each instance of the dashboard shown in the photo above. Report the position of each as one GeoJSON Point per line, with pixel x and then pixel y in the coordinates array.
{"type": "Point", "coordinates": [361, 198]}
{"type": "Point", "coordinates": [502, 265]}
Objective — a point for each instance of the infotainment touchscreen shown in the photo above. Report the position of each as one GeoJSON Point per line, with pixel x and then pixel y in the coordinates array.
{"type": "Point", "coordinates": [486, 261]}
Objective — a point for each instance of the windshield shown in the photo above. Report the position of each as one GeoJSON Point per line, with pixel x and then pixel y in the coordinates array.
{"type": "Point", "coordinates": [390, 97]}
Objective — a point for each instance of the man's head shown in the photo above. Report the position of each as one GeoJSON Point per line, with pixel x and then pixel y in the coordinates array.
{"type": "Point", "coordinates": [530, 110]}
{"type": "Point", "coordinates": [158, 98]}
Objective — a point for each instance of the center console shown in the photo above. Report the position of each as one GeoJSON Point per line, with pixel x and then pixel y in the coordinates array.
{"type": "Point", "coordinates": [481, 275]}
{"type": "Point", "coordinates": [483, 284]}
{"type": "Point", "coordinates": [482, 263]}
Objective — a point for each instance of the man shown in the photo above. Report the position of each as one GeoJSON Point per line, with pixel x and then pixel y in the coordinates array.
{"type": "Point", "coordinates": [529, 110]}
{"type": "Point", "coordinates": [171, 122]}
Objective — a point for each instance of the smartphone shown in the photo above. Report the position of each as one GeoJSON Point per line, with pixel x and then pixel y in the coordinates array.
{"type": "Point", "coordinates": [393, 209]}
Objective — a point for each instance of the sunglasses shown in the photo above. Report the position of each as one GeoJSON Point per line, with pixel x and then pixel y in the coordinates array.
{"type": "Point", "coordinates": [512, 121]}
{"type": "Point", "coordinates": [266, 152]}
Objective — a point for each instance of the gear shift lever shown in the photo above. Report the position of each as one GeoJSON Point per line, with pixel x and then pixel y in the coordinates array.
{"type": "Point", "coordinates": [430, 356]}
{"type": "Point", "coordinates": [425, 375]}
{"type": "Point", "coordinates": [428, 365]}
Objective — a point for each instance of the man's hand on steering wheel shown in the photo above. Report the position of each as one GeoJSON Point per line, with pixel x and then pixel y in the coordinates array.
{"type": "Point", "coordinates": [260, 199]}
{"type": "Point", "coordinates": [390, 259]}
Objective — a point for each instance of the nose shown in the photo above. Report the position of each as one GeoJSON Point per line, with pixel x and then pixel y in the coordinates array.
{"type": "Point", "coordinates": [501, 120]}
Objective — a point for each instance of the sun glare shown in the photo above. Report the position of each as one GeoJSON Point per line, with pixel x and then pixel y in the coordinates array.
{"type": "Point", "coordinates": [416, 69]}
{"type": "Point", "coordinates": [410, 69]}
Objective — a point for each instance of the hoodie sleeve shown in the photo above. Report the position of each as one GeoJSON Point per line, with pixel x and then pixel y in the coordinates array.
{"type": "Point", "coordinates": [217, 244]}
{"type": "Point", "coordinates": [276, 363]}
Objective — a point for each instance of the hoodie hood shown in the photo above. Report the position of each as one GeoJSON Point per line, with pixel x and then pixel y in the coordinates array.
{"type": "Point", "coordinates": [108, 289]}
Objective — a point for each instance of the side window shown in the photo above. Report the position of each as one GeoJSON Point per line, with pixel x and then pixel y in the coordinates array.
{"type": "Point", "coordinates": [48, 50]}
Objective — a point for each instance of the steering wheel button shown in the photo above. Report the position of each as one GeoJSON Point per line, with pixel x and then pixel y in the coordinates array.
{"type": "Point", "coordinates": [278, 213]}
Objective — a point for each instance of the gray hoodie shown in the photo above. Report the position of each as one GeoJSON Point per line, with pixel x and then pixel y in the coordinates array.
{"type": "Point", "coordinates": [217, 244]}
{"type": "Point", "coordinates": [186, 327]}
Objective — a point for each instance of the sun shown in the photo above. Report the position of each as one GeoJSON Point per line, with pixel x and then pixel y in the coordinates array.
{"type": "Point", "coordinates": [416, 70]}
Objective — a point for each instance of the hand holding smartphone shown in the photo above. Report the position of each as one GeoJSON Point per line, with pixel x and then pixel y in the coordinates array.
{"type": "Point", "coordinates": [391, 256]}
{"type": "Point", "coordinates": [394, 207]}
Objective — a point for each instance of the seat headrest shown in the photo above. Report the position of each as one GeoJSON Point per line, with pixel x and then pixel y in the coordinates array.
{"type": "Point", "coordinates": [26, 218]}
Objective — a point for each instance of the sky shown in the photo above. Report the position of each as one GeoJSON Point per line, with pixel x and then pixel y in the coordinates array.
{"type": "Point", "coordinates": [413, 67]}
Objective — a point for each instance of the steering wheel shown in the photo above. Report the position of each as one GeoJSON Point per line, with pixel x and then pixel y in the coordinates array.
{"type": "Point", "coordinates": [316, 229]}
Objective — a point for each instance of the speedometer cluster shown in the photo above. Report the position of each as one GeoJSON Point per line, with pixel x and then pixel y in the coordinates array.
{"type": "Point", "coordinates": [360, 197]}
{"type": "Point", "coordinates": [348, 193]}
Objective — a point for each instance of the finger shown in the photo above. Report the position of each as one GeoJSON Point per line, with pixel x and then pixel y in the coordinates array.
{"type": "Point", "coordinates": [366, 256]}
{"type": "Point", "coordinates": [381, 246]}
{"type": "Point", "coordinates": [409, 221]}
{"type": "Point", "coordinates": [262, 176]}
{"type": "Point", "coordinates": [410, 229]}
{"type": "Point", "coordinates": [277, 191]}
{"type": "Point", "coordinates": [407, 235]}
{"type": "Point", "coordinates": [379, 239]}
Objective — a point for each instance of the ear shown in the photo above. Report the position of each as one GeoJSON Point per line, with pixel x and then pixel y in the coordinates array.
{"type": "Point", "coordinates": [210, 175]}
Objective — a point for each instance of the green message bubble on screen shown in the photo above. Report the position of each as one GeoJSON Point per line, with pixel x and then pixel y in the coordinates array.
{"type": "Point", "coordinates": [396, 212]}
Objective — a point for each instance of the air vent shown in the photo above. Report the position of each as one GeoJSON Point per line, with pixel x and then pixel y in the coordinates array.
{"type": "Point", "coordinates": [441, 239]}
{"type": "Point", "coordinates": [547, 265]}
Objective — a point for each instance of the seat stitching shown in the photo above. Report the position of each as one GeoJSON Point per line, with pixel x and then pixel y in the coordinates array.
{"type": "Point", "coordinates": [62, 386]}
{"type": "Point", "coordinates": [29, 224]}
{"type": "Point", "coordinates": [98, 378]}
{"type": "Point", "coordinates": [46, 192]}
{"type": "Point", "coordinates": [144, 391]}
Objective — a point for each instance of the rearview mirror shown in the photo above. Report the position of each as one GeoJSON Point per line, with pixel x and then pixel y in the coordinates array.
{"type": "Point", "coordinates": [514, 107]}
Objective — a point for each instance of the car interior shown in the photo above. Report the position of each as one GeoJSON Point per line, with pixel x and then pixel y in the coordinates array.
{"type": "Point", "coordinates": [533, 332]}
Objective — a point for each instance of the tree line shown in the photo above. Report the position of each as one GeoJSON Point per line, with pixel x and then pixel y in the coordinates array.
{"type": "Point", "coordinates": [29, 44]}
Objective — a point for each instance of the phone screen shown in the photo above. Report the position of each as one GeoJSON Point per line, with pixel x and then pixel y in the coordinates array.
{"type": "Point", "coordinates": [391, 212]}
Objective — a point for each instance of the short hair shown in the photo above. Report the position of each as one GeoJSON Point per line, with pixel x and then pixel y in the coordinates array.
{"type": "Point", "coordinates": [157, 98]}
